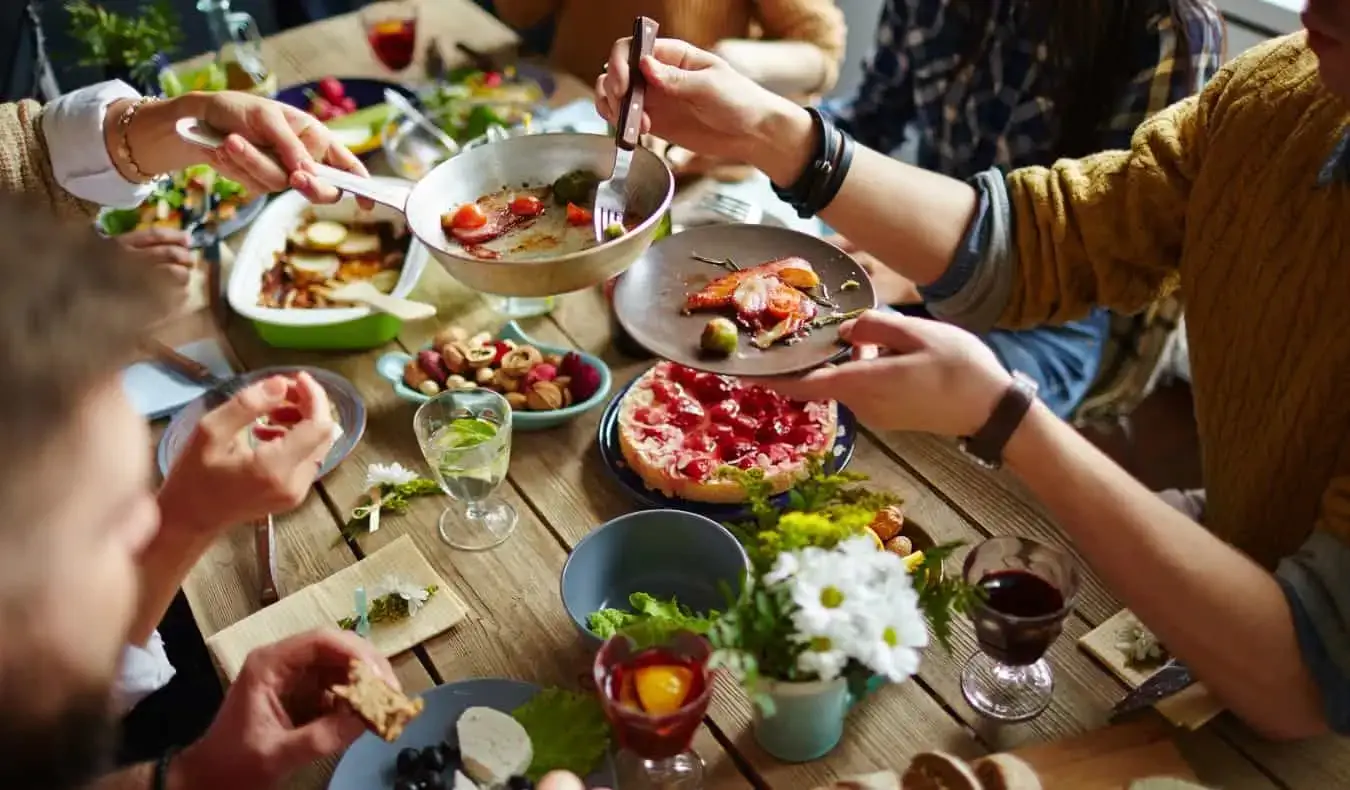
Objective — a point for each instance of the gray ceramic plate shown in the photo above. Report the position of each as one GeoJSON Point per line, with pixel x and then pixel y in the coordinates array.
{"type": "Point", "coordinates": [351, 413]}
{"type": "Point", "coordinates": [649, 299]}
{"type": "Point", "coordinates": [369, 763]}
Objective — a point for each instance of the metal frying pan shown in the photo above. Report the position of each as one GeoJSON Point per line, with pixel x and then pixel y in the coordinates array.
{"type": "Point", "coordinates": [519, 162]}
{"type": "Point", "coordinates": [649, 299]}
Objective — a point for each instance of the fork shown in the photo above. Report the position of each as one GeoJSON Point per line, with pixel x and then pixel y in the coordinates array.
{"type": "Point", "coordinates": [728, 207]}
{"type": "Point", "coordinates": [611, 195]}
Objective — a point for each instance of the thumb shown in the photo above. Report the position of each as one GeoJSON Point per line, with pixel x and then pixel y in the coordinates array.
{"type": "Point", "coordinates": [246, 406]}
{"type": "Point", "coordinates": [896, 332]}
{"type": "Point", "coordinates": [326, 736]}
{"type": "Point", "coordinates": [671, 80]}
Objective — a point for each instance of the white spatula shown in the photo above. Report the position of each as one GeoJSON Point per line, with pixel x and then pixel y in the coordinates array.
{"type": "Point", "coordinates": [362, 292]}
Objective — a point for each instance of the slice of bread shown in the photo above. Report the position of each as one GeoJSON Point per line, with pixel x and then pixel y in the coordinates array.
{"type": "Point", "coordinates": [1005, 772]}
{"type": "Point", "coordinates": [493, 745]}
{"type": "Point", "coordinates": [385, 710]}
{"type": "Point", "coordinates": [939, 771]}
{"type": "Point", "coordinates": [462, 782]}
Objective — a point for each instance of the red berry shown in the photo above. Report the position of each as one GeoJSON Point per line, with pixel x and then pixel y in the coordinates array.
{"type": "Point", "coordinates": [722, 433]}
{"type": "Point", "coordinates": [492, 79]}
{"type": "Point", "coordinates": [724, 411]}
{"type": "Point", "coordinates": [661, 390]}
{"type": "Point", "coordinates": [801, 434]}
{"type": "Point", "coordinates": [737, 449]}
{"type": "Point", "coordinates": [643, 416]}
{"type": "Point", "coordinates": [697, 469]}
{"type": "Point", "coordinates": [347, 105]}
{"type": "Point", "coordinates": [286, 415]}
{"type": "Point", "coordinates": [686, 413]}
{"type": "Point", "coordinates": [773, 429]}
{"type": "Point", "coordinates": [331, 89]}
{"type": "Point", "coordinates": [683, 375]}
{"type": "Point", "coordinates": [701, 442]}
{"type": "Point", "coordinates": [710, 387]}
{"type": "Point", "coordinates": [745, 427]}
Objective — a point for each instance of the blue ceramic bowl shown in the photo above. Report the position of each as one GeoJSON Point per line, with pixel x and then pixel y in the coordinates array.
{"type": "Point", "coordinates": [664, 553]}
{"type": "Point", "coordinates": [351, 413]}
{"type": "Point", "coordinates": [390, 367]}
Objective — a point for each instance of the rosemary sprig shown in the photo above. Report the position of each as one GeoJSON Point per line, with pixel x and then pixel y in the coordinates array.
{"type": "Point", "coordinates": [725, 263]}
{"type": "Point", "coordinates": [393, 499]}
{"type": "Point", "coordinates": [388, 608]}
{"type": "Point", "coordinates": [836, 318]}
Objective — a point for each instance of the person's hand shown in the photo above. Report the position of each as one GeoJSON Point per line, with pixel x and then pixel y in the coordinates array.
{"type": "Point", "coordinates": [909, 374]}
{"type": "Point", "coordinates": [297, 138]}
{"type": "Point", "coordinates": [167, 250]}
{"type": "Point", "coordinates": [890, 286]}
{"type": "Point", "coordinates": [694, 98]}
{"type": "Point", "coordinates": [221, 478]}
{"type": "Point", "coordinates": [278, 715]}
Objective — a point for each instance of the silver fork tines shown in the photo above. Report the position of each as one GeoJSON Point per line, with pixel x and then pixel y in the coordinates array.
{"type": "Point", "coordinates": [610, 195]}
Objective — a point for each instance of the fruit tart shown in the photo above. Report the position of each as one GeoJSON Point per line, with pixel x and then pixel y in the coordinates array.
{"type": "Point", "coordinates": [679, 426]}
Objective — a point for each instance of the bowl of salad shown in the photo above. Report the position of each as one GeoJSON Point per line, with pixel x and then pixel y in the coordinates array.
{"type": "Point", "coordinates": [179, 198]}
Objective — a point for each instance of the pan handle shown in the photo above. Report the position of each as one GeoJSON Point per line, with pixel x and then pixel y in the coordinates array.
{"type": "Point", "coordinates": [395, 195]}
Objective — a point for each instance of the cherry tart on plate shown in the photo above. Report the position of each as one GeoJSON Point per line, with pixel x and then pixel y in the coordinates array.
{"type": "Point", "coordinates": [678, 427]}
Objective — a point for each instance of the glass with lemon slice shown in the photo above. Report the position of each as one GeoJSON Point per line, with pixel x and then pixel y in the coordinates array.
{"type": "Point", "coordinates": [655, 697]}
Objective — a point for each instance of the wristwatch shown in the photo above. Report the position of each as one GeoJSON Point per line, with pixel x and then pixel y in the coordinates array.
{"type": "Point", "coordinates": [986, 445]}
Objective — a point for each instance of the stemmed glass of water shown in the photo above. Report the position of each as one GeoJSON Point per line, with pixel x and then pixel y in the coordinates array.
{"type": "Point", "coordinates": [465, 435]}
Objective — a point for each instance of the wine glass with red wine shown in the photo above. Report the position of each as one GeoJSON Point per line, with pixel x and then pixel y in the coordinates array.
{"type": "Point", "coordinates": [391, 29]}
{"type": "Point", "coordinates": [655, 697]}
{"type": "Point", "coordinates": [1028, 589]}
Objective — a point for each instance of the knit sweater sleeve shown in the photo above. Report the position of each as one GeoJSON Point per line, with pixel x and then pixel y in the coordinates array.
{"type": "Point", "coordinates": [818, 22]}
{"type": "Point", "coordinates": [25, 167]}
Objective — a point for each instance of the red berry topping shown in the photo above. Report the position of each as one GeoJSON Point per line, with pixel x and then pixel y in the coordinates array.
{"type": "Point", "coordinates": [710, 387]}
{"type": "Point", "coordinates": [724, 411]}
{"type": "Point", "coordinates": [802, 433]}
{"type": "Point", "coordinates": [697, 469]}
{"type": "Point", "coordinates": [773, 429]}
{"type": "Point", "coordinates": [686, 413]}
{"type": "Point", "coordinates": [683, 375]}
{"type": "Point", "coordinates": [663, 391]}
{"type": "Point", "coordinates": [737, 449]}
{"type": "Point", "coordinates": [745, 427]}
{"type": "Point", "coordinates": [722, 432]}
{"type": "Point", "coordinates": [644, 416]}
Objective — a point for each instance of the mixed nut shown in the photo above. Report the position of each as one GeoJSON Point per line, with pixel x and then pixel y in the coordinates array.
{"type": "Point", "coordinates": [530, 379]}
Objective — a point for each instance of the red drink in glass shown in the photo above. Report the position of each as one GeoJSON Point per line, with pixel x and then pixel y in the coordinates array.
{"type": "Point", "coordinates": [655, 699]}
{"type": "Point", "coordinates": [394, 41]}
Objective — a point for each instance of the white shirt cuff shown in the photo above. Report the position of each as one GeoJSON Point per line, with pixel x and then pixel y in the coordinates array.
{"type": "Point", "coordinates": [145, 670]}
{"type": "Point", "coordinates": [73, 128]}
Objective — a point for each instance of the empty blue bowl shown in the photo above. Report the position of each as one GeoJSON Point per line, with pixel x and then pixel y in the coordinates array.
{"type": "Point", "coordinates": [664, 553]}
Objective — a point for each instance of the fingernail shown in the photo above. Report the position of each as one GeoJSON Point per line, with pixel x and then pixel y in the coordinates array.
{"type": "Point", "coordinates": [299, 180]}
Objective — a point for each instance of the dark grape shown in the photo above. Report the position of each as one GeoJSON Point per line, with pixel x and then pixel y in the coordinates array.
{"type": "Point", "coordinates": [408, 760]}
{"type": "Point", "coordinates": [406, 783]}
{"type": "Point", "coordinates": [519, 783]}
{"type": "Point", "coordinates": [433, 782]}
{"type": "Point", "coordinates": [432, 760]}
{"type": "Point", "coordinates": [450, 754]}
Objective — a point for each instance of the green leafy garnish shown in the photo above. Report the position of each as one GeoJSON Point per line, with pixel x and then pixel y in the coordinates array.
{"type": "Point", "coordinates": [385, 609]}
{"type": "Point", "coordinates": [568, 731]}
{"type": "Point", "coordinates": [393, 499]}
{"type": "Point", "coordinates": [650, 622]}
{"type": "Point", "coordinates": [120, 221]}
{"type": "Point", "coordinates": [469, 432]}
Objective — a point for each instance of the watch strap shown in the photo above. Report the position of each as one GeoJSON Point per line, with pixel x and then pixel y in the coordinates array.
{"type": "Point", "coordinates": [986, 445]}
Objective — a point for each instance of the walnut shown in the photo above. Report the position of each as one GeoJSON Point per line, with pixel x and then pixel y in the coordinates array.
{"type": "Point", "coordinates": [544, 396]}
{"type": "Point", "coordinates": [506, 382]}
{"type": "Point", "coordinates": [455, 359]}
{"type": "Point", "coordinates": [900, 545]}
{"type": "Point", "coordinates": [459, 383]}
{"type": "Point", "coordinates": [485, 376]}
{"type": "Point", "coordinates": [414, 376]}
{"type": "Point", "coordinates": [517, 400]}
{"type": "Point", "coordinates": [563, 381]}
{"type": "Point", "coordinates": [480, 339]}
{"type": "Point", "coordinates": [449, 336]}
{"type": "Point", "coordinates": [521, 360]}
{"type": "Point", "coordinates": [481, 356]}
{"type": "Point", "coordinates": [888, 522]}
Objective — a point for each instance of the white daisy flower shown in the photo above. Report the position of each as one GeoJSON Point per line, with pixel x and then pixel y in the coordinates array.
{"type": "Point", "coordinates": [822, 660]}
{"type": "Point", "coordinates": [414, 594]}
{"type": "Point", "coordinates": [394, 474]}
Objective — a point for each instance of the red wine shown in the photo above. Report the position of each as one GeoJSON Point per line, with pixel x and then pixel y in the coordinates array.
{"type": "Point", "coordinates": [394, 41]}
{"type": "Point", "coordinates": [1013, 597]}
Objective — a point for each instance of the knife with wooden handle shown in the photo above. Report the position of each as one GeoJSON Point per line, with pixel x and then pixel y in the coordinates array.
{"type": "Point", "coordinates": [264, 535]}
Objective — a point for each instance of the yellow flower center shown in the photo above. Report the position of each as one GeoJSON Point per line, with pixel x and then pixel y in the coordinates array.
{"type": "Point", "coordinates": [889, 637]}
{"type": "Point", "coordinates": [821, 644]}
{"type": "Point", "coordinates": [831, 598]}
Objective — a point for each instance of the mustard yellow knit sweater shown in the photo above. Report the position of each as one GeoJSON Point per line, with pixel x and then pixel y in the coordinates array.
{"type": "Point", "coordinates": [24, 165]}
{"type": "Point", "coordinates": [1220, 197]}
{"type": "Point", "coordinates": [587, 29]}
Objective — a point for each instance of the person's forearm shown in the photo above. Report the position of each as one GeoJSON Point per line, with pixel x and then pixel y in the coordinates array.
{"type": "Point", "coordinates": [911, 219]}
{"type": "Point", "coordinates": [151, 137]}
{"type": "Point", "coordinates": [788, 68]}
{"type": "Point", "coordinates": [1206, 601]}
{"type": "Point", "coordinates": [182, 774]}
{"type": "Point", "coordinates": [166, 562]}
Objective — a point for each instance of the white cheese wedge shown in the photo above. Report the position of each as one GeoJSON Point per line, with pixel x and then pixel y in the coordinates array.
{"type": "Point", "coordinates": [463, 782]}
{"type": "Point", "coordinates": [493, 745]}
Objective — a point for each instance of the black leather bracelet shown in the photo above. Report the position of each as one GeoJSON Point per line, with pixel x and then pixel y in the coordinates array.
{"type": "Point", "coordinates": [825, 167]}
{"type": "Point", "coordinates": [159, 780]}
{"type": "Point", "coordinates": [798, 192]}
{"type": "Point", "coordinates": [837, 173]}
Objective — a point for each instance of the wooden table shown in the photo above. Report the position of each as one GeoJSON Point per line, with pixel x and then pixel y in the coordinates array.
{"type": "Point", "coordinates": [518, 627]}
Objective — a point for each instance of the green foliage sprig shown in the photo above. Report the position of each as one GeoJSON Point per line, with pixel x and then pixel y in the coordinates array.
{"type": "Point", "coordinates": [112, 39]}
{"type": "Point", "coordinates": [388, 608]}
{"type": "Point", "coordinates": [393, 499]}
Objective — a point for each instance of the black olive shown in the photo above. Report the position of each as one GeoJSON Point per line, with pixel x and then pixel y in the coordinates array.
{"type": "Point", "coordinates": [433, 782]}
{"type": "Point", "coordinates": [408, 760]}
{"type": "Point", "coordinates": [451, 755]}
{"type": "Point", "coordinates": [405, 783]}
{"type": "Point", "coordinates": [519, 783]}
{"type": "Point", "coordinates": [432, 759]}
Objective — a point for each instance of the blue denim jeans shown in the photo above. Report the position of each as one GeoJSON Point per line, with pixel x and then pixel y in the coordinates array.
{"type": "Point", "coordinates": [1063, 360]}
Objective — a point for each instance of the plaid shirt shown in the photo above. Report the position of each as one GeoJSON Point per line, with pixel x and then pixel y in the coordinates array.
{"type": "Point", "coordinates": [1003, 112]}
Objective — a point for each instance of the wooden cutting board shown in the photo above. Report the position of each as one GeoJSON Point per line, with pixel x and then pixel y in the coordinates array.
{"type": "Point", "coordinates": [1108, 759]}
{"type": "Point", "coordinates": [321, 605]}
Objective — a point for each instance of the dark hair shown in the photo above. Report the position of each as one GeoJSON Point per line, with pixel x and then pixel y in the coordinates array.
{"type": "Point", "coordinates": [1091, 56]}
{"type": "Point", "coordinates": [73, 308]}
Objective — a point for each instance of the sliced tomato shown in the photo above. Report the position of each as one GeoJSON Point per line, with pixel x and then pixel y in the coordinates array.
{"type": "Point", "coordinates": [784, 301]}
{"type": "Point", "coordinates": [468, 216]}
{"type": "Point", "coordinates": [527, 206]}
{"type": "Point", "coordinates": [576, 215]}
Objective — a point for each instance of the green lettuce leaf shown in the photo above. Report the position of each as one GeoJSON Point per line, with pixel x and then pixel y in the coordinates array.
{"type": "Point", "coordinates": [115, 223]}
{"type": "Point", "coordinates": [568, 731]}
{"type": "Point", "coordinates": [650, 621]}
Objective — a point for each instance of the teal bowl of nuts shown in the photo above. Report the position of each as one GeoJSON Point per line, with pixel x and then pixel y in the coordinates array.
{"type": "Point", "coordinates": [546, 385]}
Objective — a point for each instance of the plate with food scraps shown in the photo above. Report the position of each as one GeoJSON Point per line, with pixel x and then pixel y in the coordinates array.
{"type": "Point", "coordinates": [470, 728]}
{"type": "Point", "coordinates": [743, 300]}
{"type": "Point", "coordinates": [612, 455]}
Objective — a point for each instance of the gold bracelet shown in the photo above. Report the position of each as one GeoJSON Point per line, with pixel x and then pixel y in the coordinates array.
{"type": "Point", "coordinates": [124, 146]}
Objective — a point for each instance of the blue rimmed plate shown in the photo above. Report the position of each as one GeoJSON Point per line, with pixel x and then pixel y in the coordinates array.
{"type": "Point", "coordinates": [390, 367]}
{"type": "Point", "coordinates": [363, 91]}
{"type": "Point", "coordinates": [845, 436]}
{"type": "Point", "coordinates": [351, 413]}
{"type": "Point", "coordinates": [369, 763]}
